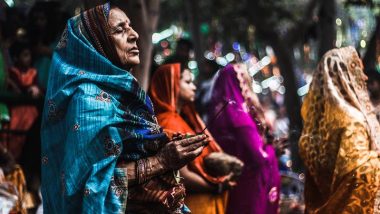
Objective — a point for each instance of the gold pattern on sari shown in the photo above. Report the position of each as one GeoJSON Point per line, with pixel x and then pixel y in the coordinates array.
{"type": "Point", "coordinates": [340, 139]}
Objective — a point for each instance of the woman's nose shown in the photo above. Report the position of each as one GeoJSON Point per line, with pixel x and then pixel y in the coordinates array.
{"type": "Point", "coordinates": [133, 35]}
{"type": "Point", "coordinates": [194, 87]}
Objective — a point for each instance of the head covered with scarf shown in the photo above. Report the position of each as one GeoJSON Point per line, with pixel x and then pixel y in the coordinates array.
{"type": "Point", "coordinates": [95, 115]}
{"type": "Point", "coordinates": [165, 92]}
{"type": "Point", "coordinates": [237, 129]}
{"type": "Point", "coordinates": [340, 135]}
{"type": "Point", "coordinates": [233, 85]}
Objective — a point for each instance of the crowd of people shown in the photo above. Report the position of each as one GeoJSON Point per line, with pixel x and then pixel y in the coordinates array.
{"type": "Point", "coordinates": [109, 146]}
{"type": "Point", "coordinates": [28, 37]}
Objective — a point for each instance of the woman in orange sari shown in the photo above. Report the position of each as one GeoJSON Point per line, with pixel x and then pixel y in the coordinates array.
{"type": "Point", "coordinates": [340, 139]}
{"type": "Point", "coordinates": [172, 92]}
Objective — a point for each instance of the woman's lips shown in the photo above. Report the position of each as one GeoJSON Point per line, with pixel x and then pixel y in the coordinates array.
{"type": "Point", "coordinates": [134, 51]}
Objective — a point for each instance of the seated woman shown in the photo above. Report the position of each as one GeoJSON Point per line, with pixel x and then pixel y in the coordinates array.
{"type": "Point", "coordinates": [173, 92]}
{"type": "Point", "coordinates": [101, 143]}
{"type": "Point", "coordinates": [239, 132]}
{"type": "Point", "coordinates": [340, 141]}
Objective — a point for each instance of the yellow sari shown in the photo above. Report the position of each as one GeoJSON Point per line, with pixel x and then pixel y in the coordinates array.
{"type": "Point", "coordinates": [340, 139]}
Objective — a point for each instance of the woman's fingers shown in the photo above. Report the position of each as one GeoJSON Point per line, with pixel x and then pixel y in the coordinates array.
{"type": "Point", "coordinates": [193, 154]}
{"type": "Point", "coordinates": [188, 141]}
{"type": "Point", "coordinates": [194, 146]}
{"type": "Point", "coordinates": [177, 136]}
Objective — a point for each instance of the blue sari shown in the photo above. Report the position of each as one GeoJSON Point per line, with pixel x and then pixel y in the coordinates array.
{"type": "Point", "coordinates": [95, 114]}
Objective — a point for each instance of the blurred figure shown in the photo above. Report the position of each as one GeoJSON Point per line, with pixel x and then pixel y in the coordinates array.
{"type": "Point", "coordinates": [203, 94]}
{"type": "Point", "coordinates": [4, 113]}
{"type": "Point", "coordinates": [182, 52]}
{"type": "Point", "coordinates": [281, 124]}
{"type": "Point", "coordinates": [44, 27]}
{"type": "Point", "coordinates": [340, 139]}
{"type": "Point", "coordinates": [373, 84]}
{"type": "Point", "coordinates": [239, 130]}
{"type": "Point", "coordinates": [22, 80]}
{"type": "Point", "coordinates": [208, 177]}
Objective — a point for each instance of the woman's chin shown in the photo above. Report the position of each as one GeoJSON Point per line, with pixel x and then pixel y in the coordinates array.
{"type": "Point", "coordinates": [131, 63]}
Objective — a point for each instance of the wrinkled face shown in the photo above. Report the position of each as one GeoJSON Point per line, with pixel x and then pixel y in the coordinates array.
{"type": "Point", "coordinates": [125, 38]}
{"type": "Point", "coordinates": [187, 87]}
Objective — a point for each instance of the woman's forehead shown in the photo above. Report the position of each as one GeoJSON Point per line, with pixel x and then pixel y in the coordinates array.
{"type": "Point", "coordinates": [117, 16]}
{"type": "Point", "coordinates": [186, 72]}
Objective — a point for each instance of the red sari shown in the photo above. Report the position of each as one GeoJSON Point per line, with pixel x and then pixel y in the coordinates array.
{"type": "Point", "coordinates": [22, 116]}
{"type": "Point", "coordinates": [164, 93]}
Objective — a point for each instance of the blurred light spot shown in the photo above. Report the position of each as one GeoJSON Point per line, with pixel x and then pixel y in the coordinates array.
{"type": "Point", "coordinates": [230, 57]}
{"type": "Point", "coordinates": [364, 33]}
{"type": "Point", "coordinates": [10, 3]}
{"type": "Point", "coordinates": [289, 163]}
{"type": "Point", "coordinates": [236, 46]}
{"type": "Point", "coordinates": [209, 55]}
{"type": "Point", "coordinates": [192, 65]}
{"type": "Point", "coordinates": [280, 79]}
{"type": "Point", "coordinates": [156, 37]}
{"type": "Point", "coordinates": [166, 52]}
{"type": "Point", "coordinates": [301, 176]}
{"type": "Point", "coordinates": [269, 50]}
{"type": "Point", "coordinates": [338, 43]}
{"type": "Point", "coordinates": [338, 22]}
{"type": "Point", "coordinates": [266, 83]}
{"type": "Point", "coordinates": [362, 43]}
{"type": "Point", "coordinates": [158, 59]}
{"type": "Point", "coordinates": [245, 56]}
{"type": "Point", "coordinates": [281, 90]}
{"type": "Point", "coordinates": [274, 84]}
{"type": "Point", "coordinates": [164, 44]}
{"type": "Point", "coordinates": [257, 88]}
{"type": "Point", "coordinates": [303, 90]}
{"type": "Point", "coordinates": [265, 61]}
{"type": "Point", "coordinates": [20, 32]}
{"type": "Point", "coordinates": [221, 61]}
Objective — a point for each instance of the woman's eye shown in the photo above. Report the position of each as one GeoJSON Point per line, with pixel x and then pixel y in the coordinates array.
{"type": "Point", "coordinates": [119, 30]}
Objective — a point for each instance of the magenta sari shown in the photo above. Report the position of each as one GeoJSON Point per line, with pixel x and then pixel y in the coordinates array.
{"type": "Point", "coordinates": [235, 130]}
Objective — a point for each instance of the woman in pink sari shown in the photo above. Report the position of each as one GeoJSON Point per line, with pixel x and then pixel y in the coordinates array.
{"type": "Point", "coordinates": [238, 131]}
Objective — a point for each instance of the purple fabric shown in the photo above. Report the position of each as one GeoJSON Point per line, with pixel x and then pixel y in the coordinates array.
{"type": "Point", "coordinates": [236, 132]}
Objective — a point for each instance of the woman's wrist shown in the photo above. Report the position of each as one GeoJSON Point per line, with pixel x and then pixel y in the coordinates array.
{"type": "Point", "coordinates": [148, 168]}
{"type": "Point", "coordinates": [155, 167]}
{"type": "Point", "coordinates": [142, 170]}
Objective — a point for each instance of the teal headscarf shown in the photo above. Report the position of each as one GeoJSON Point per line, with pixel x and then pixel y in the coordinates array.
{"type": "Point", "coordinates": [95, 114]}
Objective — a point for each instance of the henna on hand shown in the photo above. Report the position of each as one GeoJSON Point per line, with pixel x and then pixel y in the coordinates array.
{"type": "Point", "coordinates": [176, 154]}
